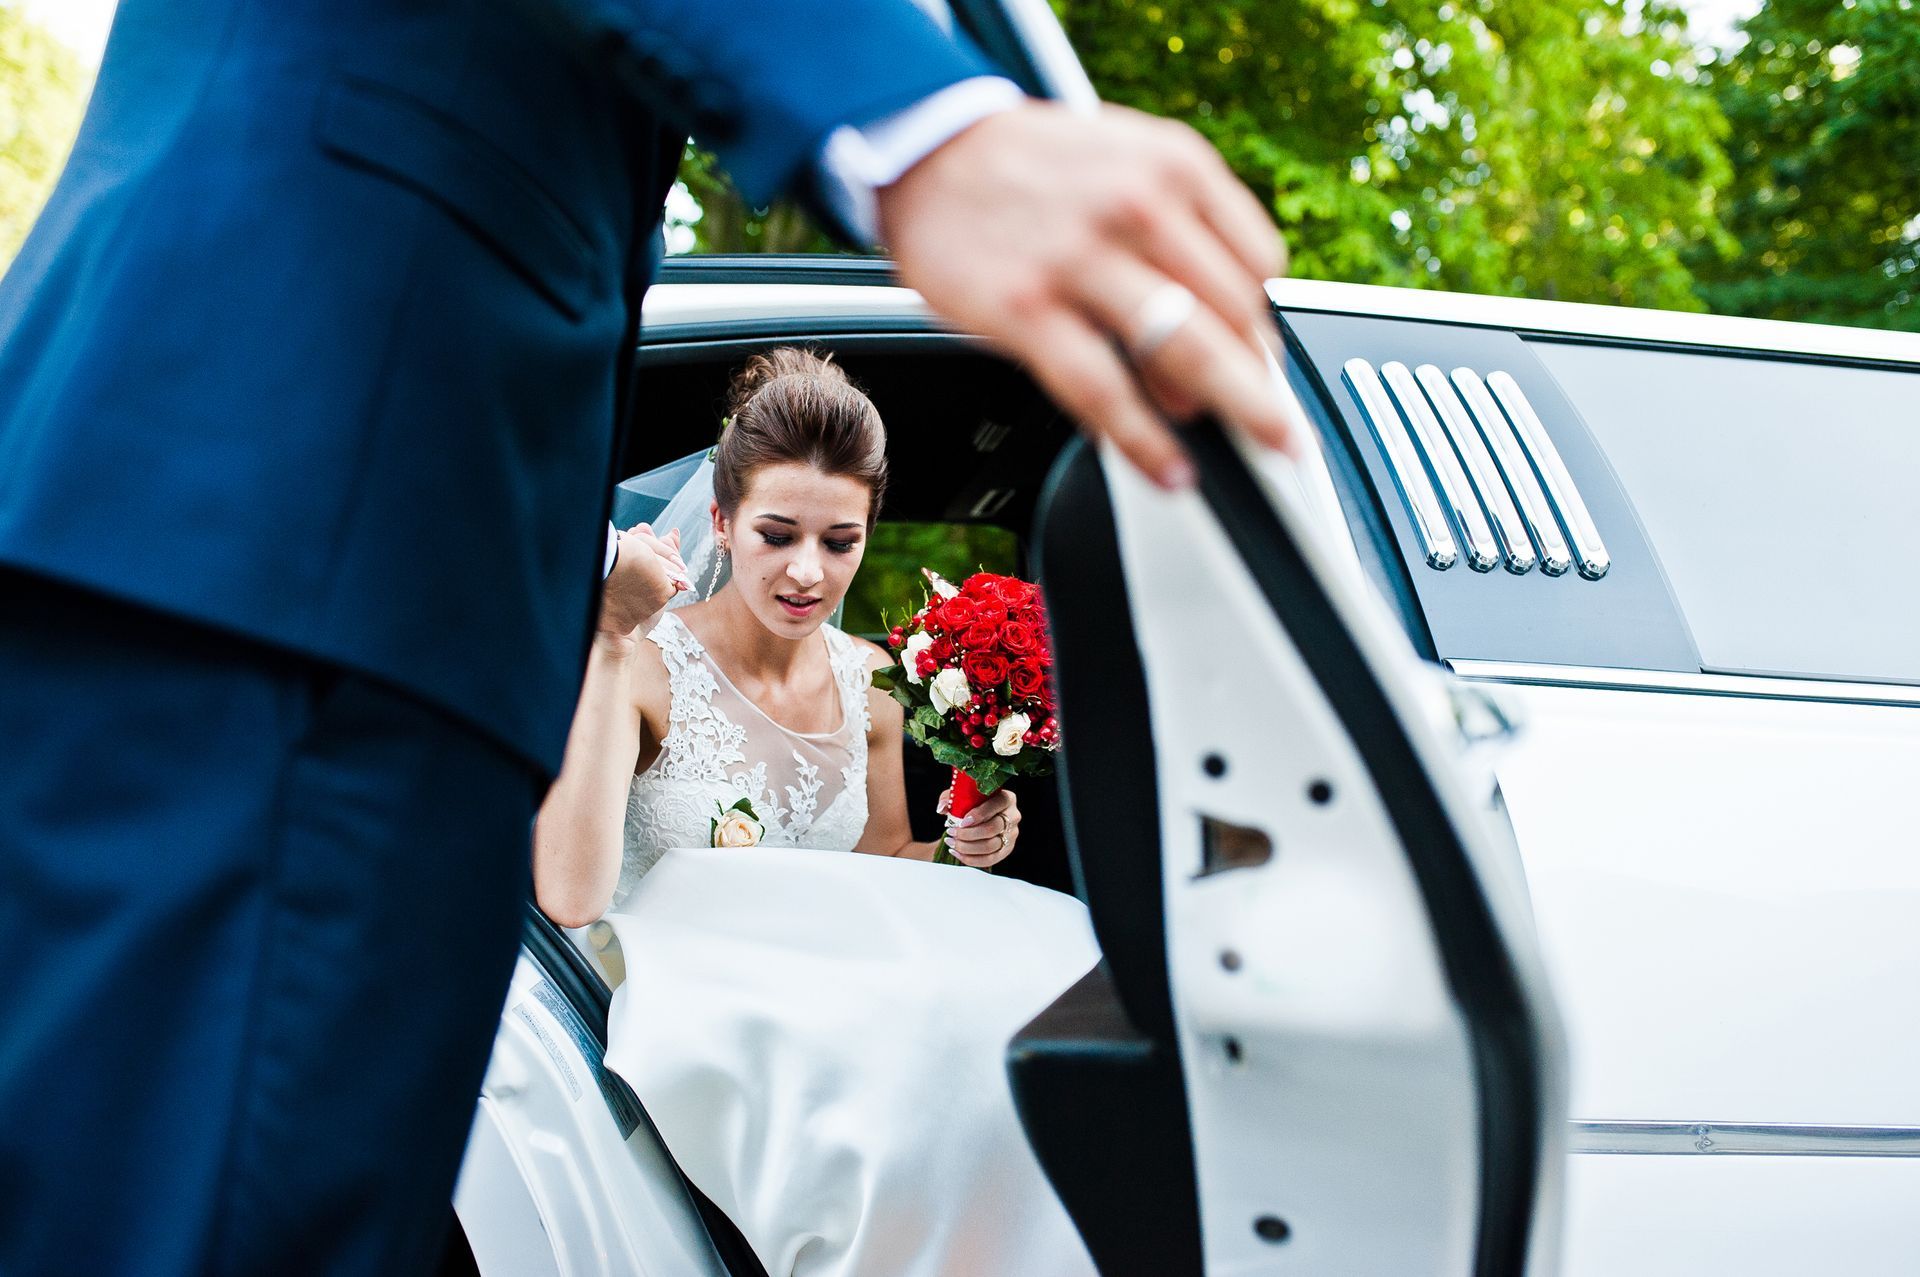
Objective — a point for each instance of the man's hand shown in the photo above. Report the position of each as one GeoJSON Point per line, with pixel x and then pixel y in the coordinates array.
{"type": "Point", "coordinates": [646, 575]}
{"type": "Point", "coordinates": [1057, 236]}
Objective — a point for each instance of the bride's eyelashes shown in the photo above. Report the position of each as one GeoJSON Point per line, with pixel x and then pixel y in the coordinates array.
{"type": "Point", "coordinates": [781, 538]}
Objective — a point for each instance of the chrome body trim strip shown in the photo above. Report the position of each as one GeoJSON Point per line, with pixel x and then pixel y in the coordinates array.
{"type": "Point", "coordinates": [1498, 432]}
{"type": "Point", "coordinates": [1747, 686]}
{"type": "Point", "coordinates": [1742, 1139]}
{"type": "Point", "coordinates": [1468, 514]}
{"type": "Point", "coordinates": [1517, 554]}
{"type": "Point", "coordinates": [1590, 553]}
{"type": "Point", "coordinates": [1409, 475]}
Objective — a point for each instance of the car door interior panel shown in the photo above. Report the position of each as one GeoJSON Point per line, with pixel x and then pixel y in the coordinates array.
{"type": "Point", "coordinates": [1357, 981]}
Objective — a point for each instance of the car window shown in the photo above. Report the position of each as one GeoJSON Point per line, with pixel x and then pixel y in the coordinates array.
{"type": "Point", "coordinates": [889, 581]}
{"type": "Point", "coordinates": [1776, 494]}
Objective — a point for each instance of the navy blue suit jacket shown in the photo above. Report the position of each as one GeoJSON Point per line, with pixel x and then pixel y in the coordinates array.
{"type": "Point", "coordinates": [322, 335]}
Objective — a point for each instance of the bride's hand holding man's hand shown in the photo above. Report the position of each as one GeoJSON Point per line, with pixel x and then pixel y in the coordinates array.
{"type": "Point", "coordinates": [985, 835]}
{"type": "Point", "coordinates": [647, 573]}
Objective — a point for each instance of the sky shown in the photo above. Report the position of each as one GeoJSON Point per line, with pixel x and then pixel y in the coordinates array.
{"type": "Point", "coordinates": [82, 24]}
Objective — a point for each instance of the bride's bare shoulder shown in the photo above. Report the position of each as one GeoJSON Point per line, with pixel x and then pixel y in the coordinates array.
{"type": "Point", "coordinates": [652, 694]}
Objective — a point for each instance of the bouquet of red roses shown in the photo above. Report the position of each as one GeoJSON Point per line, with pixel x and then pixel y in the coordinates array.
{"type": "Point", "coordinates": [972, 668]}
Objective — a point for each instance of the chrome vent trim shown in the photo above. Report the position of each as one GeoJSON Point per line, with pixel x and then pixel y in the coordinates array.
{"type": "Point", "coordinates": [990, 503]}
{"type": "Point", "coordinates": [1517, 553]}
{"type": "Point", "coordinates": [1429, 521]}
{"type": "Point", "coordinates": [1555, 558]}
{"type": "Point", "coordinates": [1469, 515]}
{"type": "Point", "coordinates": [1590, 554]}
{"type": "Point", "coordinates": [989, 435]}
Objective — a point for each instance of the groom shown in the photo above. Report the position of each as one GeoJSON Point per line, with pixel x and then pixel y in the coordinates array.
{"type": "Point", "coordinates": [310, 375]}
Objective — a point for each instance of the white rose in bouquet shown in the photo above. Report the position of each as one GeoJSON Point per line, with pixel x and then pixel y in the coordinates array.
{"type": "Point", "coordinates": [949, 691]}
{"type": "Point", "coordinates": [910, 655]}
{"type": "Point", "coordinates": [1007, 736]}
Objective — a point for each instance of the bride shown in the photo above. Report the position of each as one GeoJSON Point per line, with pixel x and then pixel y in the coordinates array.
{"type": "Point", "coordinates": [818, 1036]}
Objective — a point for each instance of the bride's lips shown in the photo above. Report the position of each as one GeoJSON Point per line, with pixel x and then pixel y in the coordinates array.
{"type": "Point", "coordinates": [798, 605]}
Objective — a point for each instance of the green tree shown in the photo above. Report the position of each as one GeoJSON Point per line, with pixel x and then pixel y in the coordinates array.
{"type": "Point", "coordinates": [724, 223]}
{"type": "Point", "coordinates": [1824, 99]}
{"type": "Point", "coordinates": [1559, 148]}
{"type": "Point", "coordinates": [43, 90]}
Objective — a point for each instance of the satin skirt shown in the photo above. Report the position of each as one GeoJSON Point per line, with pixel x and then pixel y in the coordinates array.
{"type": "Point", "coordinates": [820, 1038]}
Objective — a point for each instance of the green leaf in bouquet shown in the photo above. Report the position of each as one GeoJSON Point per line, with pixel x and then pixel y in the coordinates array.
{"type": "Point", "coordinates": [928, 716]}
{"type": "Point", "coordinates": [990, 779]}
{"type": "Point", "coordinates": [883, 678]}
{"type": "Point", "coordinates": [949, 754]}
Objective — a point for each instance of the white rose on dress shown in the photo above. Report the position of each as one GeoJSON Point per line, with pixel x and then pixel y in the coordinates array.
{"type": "Point", "coordinates": [949, 691]}
{"type": "Point", "coordinates": [1006, 737]}
{"type": "Point", "coordinates": [910, 655]}
{"type": "Point", "coordinates": [736, 827]}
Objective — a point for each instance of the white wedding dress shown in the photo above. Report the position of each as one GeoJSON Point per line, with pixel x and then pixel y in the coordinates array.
{"type": "Point", "coordinates": [820, 1036]}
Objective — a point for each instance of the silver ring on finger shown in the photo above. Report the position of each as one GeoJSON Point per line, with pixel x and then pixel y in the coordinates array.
{"type": "Point", "coordinates": [1003, 843]}
{"type": "Point", "coordinates": [1164, 313]}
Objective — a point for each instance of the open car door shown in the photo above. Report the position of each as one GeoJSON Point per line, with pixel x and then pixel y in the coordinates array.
{"type": "Point", "coordinates": [1321, 1040]}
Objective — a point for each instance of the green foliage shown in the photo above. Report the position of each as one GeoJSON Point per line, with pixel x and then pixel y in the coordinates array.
{"type": "Point", "coordinates": [1556, 148]}
{"type": "Point", "coordinates": [43, 90]}
{"type": "Point", "coordinates": [889, 580]}
{"type": "Point", "coordinates": [1574, 149]}
{"type": "Point", "coordinates": [1824, 99]}
{"type": "Point", "coordinates": [725, 224]}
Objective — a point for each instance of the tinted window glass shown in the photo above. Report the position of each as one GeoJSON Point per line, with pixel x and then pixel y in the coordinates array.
{"type": "Point", "coordinates": [1778, 495]}
{"type": "Point", "coordinates": [889, 584]}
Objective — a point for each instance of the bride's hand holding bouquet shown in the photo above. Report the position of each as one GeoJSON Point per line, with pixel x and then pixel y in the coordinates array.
{"type": "Point", "coordinates": [971, 668]}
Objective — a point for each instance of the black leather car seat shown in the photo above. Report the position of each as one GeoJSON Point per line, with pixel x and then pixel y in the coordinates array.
{"type": "Point", "coordinates": [1097, 1076]}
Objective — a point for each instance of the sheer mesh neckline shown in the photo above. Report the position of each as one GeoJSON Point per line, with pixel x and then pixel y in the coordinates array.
{"type": "Point", "coordinates": [806, 789]}
{"type": "Point", "coordinates": [720, 673]}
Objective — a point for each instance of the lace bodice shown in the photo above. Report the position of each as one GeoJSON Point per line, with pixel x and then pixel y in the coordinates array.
{"type": "Point", "coordinates": [808, 789]}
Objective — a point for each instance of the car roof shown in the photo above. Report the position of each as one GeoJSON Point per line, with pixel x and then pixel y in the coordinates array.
{"type": "Point", "coordinates": [726, 292]}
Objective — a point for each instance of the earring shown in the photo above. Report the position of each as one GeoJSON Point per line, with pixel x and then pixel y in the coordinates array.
{"type": "Point", "coordinates": [719, 557]}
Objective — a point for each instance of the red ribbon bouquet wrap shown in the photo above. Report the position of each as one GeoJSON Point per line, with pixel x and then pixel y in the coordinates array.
{"type": "Point", "coordinates": [973, 671]}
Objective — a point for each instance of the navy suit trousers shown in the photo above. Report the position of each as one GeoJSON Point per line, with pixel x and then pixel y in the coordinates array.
{"type": "Point", "coordinates": [257, 917]}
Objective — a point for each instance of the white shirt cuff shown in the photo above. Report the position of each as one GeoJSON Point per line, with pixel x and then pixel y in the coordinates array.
{"type": "Point", "coordinates": [857, 162]}
{"type": "Point", "coordinates": [613, 540]}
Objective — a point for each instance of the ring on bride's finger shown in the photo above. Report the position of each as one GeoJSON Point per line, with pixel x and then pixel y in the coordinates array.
{"type": "Point", "coordinates": [1164, 313]}
{"type": "Point", "coordinates": [1003, 843]}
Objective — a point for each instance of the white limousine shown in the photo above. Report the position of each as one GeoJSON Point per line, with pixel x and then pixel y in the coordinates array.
{"type": "Point", "coordinates": [1499, 826]}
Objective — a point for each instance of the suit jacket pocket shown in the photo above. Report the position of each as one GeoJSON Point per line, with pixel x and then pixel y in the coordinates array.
{"type": "Point", "coordinates": [408, 142]}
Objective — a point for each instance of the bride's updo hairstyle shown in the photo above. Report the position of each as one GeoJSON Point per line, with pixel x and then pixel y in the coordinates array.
{"type": "Point", "coordinates": [791, 405]}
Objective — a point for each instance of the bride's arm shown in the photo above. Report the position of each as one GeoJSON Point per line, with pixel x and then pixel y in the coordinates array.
{"type": "Point", "coordinates": [888, 832]}
{"type": "Point", "coordinates": [578, 833]}
{"type": "Point", "coordinates": [577, 836]}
